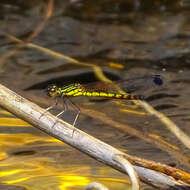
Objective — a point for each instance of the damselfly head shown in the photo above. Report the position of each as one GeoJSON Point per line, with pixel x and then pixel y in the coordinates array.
{"type": "Point", "coordinates": [52, 90]}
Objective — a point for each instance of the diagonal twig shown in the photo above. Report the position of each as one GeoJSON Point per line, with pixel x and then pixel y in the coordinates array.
{"type": "Point", "coordinates": [91, 146]}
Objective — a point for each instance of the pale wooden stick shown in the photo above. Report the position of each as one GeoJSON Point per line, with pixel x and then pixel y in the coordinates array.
{"type": "Point", "coordinates": [95, 185]}
{"type": "Point", "coordinates": [63, 131]}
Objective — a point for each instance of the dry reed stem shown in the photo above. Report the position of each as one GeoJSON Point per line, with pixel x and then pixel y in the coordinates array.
{"type": "Point", "coordinates": [103, 152]}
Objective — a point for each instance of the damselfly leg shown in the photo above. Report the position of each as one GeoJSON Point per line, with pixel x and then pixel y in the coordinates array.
{"type": "Point", "coordinates": [49, 108]}
{"type": "Point", "coordinates": [64, 109]}
{"type": "Point", "coordinates": [65, 103]}
{"type": "Point", "coordinates": [77, 115]}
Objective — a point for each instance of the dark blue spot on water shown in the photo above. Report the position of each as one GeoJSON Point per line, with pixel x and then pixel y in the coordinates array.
{"type": "Point", "coordinates": [158, 80]}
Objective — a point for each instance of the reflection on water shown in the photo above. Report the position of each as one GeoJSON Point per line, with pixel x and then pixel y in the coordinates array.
{"type": "Point", "coordinates": [36, 161]}
{"type": "Point", "coordinates": [127, 39]}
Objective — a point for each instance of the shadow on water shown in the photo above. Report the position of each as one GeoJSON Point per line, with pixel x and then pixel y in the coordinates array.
{"type": "Point", "coordinates": [127, 39]}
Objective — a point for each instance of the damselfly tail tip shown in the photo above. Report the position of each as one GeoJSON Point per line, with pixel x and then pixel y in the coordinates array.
{"type": "Point", "coordinates": [158, 80]}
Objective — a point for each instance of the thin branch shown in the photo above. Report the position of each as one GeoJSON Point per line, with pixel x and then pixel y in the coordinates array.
{"type": "Point", "coordinates": [48, 14]}
{"type": "Point", "coordinates": [35, 33]}
{"type": "Point", "coordinates": [184, 138]}
{"type": "Point", "coordinates": [129, 169]}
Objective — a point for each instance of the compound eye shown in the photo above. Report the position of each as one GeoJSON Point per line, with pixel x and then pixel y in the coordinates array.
{"type": "Point", "coordinates": [52, 90]}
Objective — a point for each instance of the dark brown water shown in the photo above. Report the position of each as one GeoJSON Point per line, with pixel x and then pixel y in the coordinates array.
{"type": "Point", "coordinates": [127, 40]}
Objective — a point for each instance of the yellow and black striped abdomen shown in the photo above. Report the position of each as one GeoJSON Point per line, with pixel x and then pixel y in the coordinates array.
{"type": "Point", "coordinates": [110, 95]}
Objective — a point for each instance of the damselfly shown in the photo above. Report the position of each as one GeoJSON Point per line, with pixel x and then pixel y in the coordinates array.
{"type": "Point", "coordinates": [103, 90]}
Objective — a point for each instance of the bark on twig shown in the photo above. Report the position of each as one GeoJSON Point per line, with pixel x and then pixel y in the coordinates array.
{"type": "Point", "coordinates": [63, 131]}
